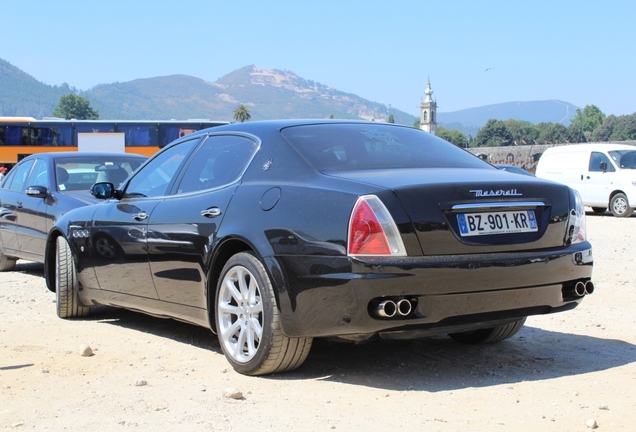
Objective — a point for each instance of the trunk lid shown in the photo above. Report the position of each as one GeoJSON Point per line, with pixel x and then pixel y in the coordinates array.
{"type": "Point", "coordinates": [468, 210]}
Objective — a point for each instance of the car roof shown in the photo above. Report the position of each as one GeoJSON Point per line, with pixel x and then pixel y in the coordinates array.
{"type": "Point", "coordinates": [78, 154]}
{"type": "Point", "coordinates": [254, 126]}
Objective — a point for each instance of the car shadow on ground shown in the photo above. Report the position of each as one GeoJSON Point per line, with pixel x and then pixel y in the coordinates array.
{"type": "Point", "coordinates": [433, 364]}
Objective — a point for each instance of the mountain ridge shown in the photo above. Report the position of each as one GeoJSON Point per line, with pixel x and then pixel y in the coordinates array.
{"type": "Point", "coordinates": [269, 93]}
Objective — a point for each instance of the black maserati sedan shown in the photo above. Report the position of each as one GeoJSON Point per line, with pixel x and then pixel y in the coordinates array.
{"type": "Point", "coordinates": [44, 186]}
{"type": "Point", "coordinates": [274, 233]}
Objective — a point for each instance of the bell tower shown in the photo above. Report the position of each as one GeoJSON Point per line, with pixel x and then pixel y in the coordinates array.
{"type": "Point", "coordinates": [428, 114]}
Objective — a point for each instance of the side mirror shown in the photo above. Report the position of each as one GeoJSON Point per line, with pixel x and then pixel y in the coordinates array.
{"type": "Point", "coordinates": [603, 166]}
{"type": "Point", "coordinates": [37, 191]}
{"type": "Point", "coordinates": [103, 190]}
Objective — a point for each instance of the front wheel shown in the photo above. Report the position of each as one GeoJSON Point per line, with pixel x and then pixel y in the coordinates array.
{"type": "Point", "coordinates": [6, 263]}
{"type": "Point", "coordinates": [619, 206]}
{"type": "Point", "coordinates": [66, 286]}
{"type": "Point", "coordinates": [489, 335]}
{"type": "Point", "coordinates": [248, 321]}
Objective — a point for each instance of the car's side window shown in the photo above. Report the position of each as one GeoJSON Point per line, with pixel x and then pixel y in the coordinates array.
{"type": "Point", "coordinates": [153, 180]}
{"type": "Point", "coordinates": [596, 158]}
{"type": "Point", "coordinates": [219, 161]}
{"type": "Point", "coordinates": [39, 174]}
{"type": "Point", "coordinates": [18, 182]}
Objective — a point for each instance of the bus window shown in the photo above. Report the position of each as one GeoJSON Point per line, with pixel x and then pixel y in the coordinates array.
{"type": "Point", "coordinates": [94, 127]}
{"type": "Point", "coordinates": [14, 134]}
{"type": "Point", "coordinates": [171, 131]}
{"type": "Point", "coordinates": [139, 134]}
{"type": "Point", "coordinates": [52, 134]}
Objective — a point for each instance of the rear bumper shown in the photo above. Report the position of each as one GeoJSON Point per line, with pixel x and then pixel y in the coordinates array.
{"type": "Point", "coordinates": [336, 296]}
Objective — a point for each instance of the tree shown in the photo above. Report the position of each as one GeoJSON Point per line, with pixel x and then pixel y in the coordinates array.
{"type": "Point", "coordinates": [242, 113]}
{"type": "Point", "coordinates": [624, 129]}
{"type": "Point", "coordinates": [523, 132]}
{"type": "Point", "coordinates": [73, 106]}
{"type": "Point", "coordinates": [493, 134]}
{"type": "Point", "coordinates": [587, 120]}
{"type": "Point", "coordinates": [553, 133]}
{"type": "Point", "coordinates": [391, 119]}
{"type": "Point", "coordinates": [604, 131]}
{"type": "Point", "coordinates": [452, 136]}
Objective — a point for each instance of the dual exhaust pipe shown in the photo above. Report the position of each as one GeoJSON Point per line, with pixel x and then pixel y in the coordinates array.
{"type": "Point", "coordinates": [391, 308]}
{"type": "Point", "coordinates": [583, 288]}
{"type": "Point", "coordinates": [578, 289]}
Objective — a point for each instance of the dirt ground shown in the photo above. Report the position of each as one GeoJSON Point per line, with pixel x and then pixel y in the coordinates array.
{"type": "Point", "coordinates": [572, 371]}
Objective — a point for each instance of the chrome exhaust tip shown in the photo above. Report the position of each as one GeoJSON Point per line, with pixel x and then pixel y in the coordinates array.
{"type": "Point", "coordinates": [386, 309]}
{"type": "Point", "coordinates": [579, 289]}
{"type": "Point", "coordinates": [404, 307]}
{"type": "Point", "coordinates": [589, 287]}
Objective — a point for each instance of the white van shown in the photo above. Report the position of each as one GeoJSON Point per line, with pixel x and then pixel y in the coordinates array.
{"type": "Point", "coordinates": [604, 174]}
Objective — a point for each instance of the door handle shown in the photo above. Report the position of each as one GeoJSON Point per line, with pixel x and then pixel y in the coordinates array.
{"type": "Point", "coordinates": [140, 216]}
{"type": "Point", "coordinates": [211, 212]}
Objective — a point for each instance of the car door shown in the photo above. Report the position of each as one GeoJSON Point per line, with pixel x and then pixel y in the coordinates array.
{"type": "Point", "coordinates": [598, 180]}
{"type": "Point", "coordinates": [31, 212]}
{"type": "Point", "coordinates": [183, 227]}
{"type": "Point", "coordinates": [119, 231]}
{"type": "Point", "coordinates": [13, 193]}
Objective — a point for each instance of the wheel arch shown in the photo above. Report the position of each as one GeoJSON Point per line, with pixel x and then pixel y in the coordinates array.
{"type": "Point", "coordinates": [223, 253]}
{"type": "Point", "coordinates": [49, 258]}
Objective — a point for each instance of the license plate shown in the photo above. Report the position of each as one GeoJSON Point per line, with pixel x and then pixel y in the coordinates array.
{"type": "Point", "coordinates": [508, 222]}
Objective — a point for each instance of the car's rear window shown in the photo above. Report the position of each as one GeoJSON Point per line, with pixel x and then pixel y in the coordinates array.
{"type": "Point", "coordinates": [345, 147]}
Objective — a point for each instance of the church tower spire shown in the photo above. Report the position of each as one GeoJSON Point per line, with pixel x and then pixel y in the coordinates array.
{"type": "Point", "coordinates": [428, 111]}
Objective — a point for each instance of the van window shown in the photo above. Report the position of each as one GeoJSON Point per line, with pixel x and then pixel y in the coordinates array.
{"type": "Point", "coordinates": [596, 158]}
{"type": "Point", "coordinates": [624, 158]}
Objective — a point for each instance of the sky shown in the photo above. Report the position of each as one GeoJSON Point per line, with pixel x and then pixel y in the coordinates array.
{"type": "Point", "coordinates": [474, 52]}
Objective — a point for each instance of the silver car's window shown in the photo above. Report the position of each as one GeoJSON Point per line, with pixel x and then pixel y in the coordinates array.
{"type": "Point", "coordinates": [18, 182]}
{"type": "Point", "coordinates": [39, 174]}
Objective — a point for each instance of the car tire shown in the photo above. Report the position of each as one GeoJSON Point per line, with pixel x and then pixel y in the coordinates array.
{"type": "Point", "coordinates": [489, 335]}
{"type": "Point", "coordinates": [599, 210]}
{"type": "Point", "coordinates": [248, 321]}
{"type": "Point", "coordinates": [66, 286]}
{"type": "Point", "coordinates": [619, 206]}
{"type": "Point", "coordinates": [6, 263]}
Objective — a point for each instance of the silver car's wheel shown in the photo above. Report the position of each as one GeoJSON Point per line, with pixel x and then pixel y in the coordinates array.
{"type": "Point", "coordinates": [6, 263]}
{"type": "Point", "coordinates": [247, 321]}
{"type": "Point", "coordinates": [619, 206]}
{"type": "Point", "coordinates": [66, 286]}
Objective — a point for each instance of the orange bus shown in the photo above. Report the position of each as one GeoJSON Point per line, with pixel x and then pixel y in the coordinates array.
{"type": "Point", "coordinates": [22, 136]}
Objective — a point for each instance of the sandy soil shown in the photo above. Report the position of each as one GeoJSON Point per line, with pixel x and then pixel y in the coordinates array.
{"type": "Point", "coordinates": [572, 371]}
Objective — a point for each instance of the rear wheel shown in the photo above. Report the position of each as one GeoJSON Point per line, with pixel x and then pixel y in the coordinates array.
{"type": "Point", "coordinates": [599, 210]}
{"type": "Point", "coordinates": [248, 322]}
{"type": "Point", "coordinates": [489, 335]}
{"type": "Point", "coordinates": [619, 206]}
{"type": "Point", "coordinates": [6, 263]}
{"type": "Point", "coordinates": [66, 286]}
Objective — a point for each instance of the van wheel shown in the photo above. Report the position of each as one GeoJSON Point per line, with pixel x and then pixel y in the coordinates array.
{"type": "Point", "coordinates": [619, 206]}
{"type": "Point", "coordinates": [599, 210]}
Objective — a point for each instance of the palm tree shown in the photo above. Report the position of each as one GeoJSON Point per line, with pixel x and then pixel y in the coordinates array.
{"type": "Point", "coordinates": [242, 113]}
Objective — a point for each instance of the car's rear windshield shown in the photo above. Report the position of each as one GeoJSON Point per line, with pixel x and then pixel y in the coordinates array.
{"type": "Point", "coordinates": [346, 147]}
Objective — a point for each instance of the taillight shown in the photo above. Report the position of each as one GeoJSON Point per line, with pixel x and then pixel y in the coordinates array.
{"type": "Point", "coordinates": [577, 223]}
{"type": "Point", "coordinates": [372, 230]}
